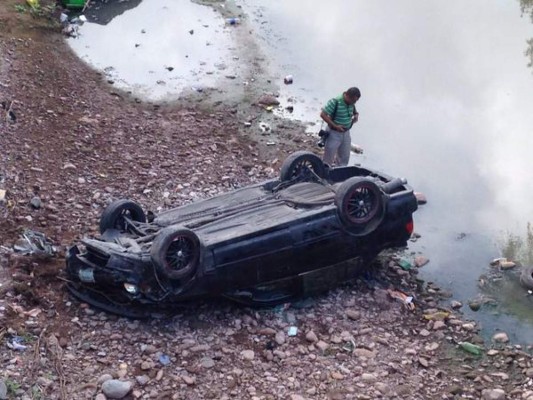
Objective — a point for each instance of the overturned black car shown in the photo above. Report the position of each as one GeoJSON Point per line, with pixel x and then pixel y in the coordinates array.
{"type": "Point", "coordinates": [259, 245]}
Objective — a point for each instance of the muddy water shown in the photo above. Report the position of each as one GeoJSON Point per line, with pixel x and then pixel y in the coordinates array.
{"type": "Point", "coordinates": [158, 49]}
{"type": "Point", "coordinates": [447, 102]}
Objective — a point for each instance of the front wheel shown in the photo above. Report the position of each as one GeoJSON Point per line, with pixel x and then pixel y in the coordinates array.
{"type": "Point", "coordinates": [117, 214]}
{"type": "Point", "coordinates": [361, 205]}
{"type": "Point", "coordinates": [175, 252]}
{"type": "Point", "coordinates": [302, 166]}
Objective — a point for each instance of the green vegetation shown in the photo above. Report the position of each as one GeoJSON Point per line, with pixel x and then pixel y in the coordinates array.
{"type": "Point", "coordinates": [12, 386]}
{"type": "Point", "coordinates": [519, 248]}
{"type": "Point", "coordinates": [37, 11]}
{"type": "Point", "coordinates": [526, 6]}
{"type": "Point", "coordinates": [504, 287]}
{"type": "Point", "coordinates": [529, 52]}
{"type": "Point", "coordinates": [36, 393]}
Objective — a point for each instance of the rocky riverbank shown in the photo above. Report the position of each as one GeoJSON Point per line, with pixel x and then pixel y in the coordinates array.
{"type": "Point", "coordinates": [76, 144]}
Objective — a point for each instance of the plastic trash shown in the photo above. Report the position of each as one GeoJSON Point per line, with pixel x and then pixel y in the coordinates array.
{"type": "Point", "coordinates": [437, 316]}
{"type": "Point", "coordinates": [34, 243]}
{"type": "Point", "coordinates": [16, 344]}
{"type": "Point", "coordinates": [10, 116]}
{"type": "Point", "coordinates": [164, 359]}
{"type": "Point", "coordinates": [288, 80]}
{"type": "Point", "coordinates": [471, 348]}
{"type": "Point", "coordinates": [293, 331]}
{"type": "Point", "coordinates": [497, 261]}
{"type": "Point", "coordinates": [233, 21]}
{"type": "Point", "coordinates": [503, 263]}
{"type": "Point", "coordinates": [356, 148]}
{"type": "Point", "coordinates": [405, 265]}
{"type": "Point", "coordinates": [405, 299]}
{"type": "Point", "coordinates": [33, 3]}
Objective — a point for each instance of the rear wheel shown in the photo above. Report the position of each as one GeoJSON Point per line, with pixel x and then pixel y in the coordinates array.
{"type": "Point", "coordinates": [175, 252]}
{"type": "Point", "coordinates": [361, 205]}
{"type": "Point", "coordinates": [116, 215]}
{"type": "Point", "coordinates": [302, 166]}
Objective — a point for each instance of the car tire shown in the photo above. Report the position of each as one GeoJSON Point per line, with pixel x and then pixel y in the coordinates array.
{"type": "Point", "coordinates": [360, 204]}
{"type": "Point", "coordinates": [302, 166]}
{"type": "Point", "coordinates": [113, 215]}
{"type": "Point", "coordinates": [176, 252]}
{"type": "Point", "coordinates": [526, 278]}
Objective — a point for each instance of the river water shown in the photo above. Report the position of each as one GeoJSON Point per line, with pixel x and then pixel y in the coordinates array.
{"type": "Point", "coordinates": [447, 102]}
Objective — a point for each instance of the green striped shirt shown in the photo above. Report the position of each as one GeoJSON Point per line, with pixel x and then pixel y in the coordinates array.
{"type": "Point", "coordinates": [343, 115]}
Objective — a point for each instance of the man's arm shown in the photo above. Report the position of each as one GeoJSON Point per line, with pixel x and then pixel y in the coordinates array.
{"type": "Point", "coordinates": [355, 116]}
{"type": "Point", "coordinates": [327, 119]}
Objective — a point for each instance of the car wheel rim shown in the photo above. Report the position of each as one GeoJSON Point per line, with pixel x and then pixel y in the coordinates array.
{"type": "Point", "coordinates": [303, 168]}
{"type": "Point", "coordinates": [361, 204]}
{"type": "Point", "coordinates": [120, 223]}
{"type": "Point", "coordinates": [180, 253]}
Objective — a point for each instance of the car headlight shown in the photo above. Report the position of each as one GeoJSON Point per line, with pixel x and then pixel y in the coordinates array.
{"type": "Point", "coordinates": [131, 288]}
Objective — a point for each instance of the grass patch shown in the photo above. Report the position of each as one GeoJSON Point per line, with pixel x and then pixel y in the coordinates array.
{"type": "Point", "coordinates": [519, 248]}
{"type": "Point", "coordinates": [12, 386]}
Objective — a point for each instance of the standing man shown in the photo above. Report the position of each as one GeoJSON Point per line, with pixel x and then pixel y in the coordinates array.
{"type": "Point", "coordinates": [340, 114]}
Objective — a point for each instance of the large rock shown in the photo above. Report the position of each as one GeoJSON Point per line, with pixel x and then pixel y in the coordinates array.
{"type": "Point", "coordinates": [3, 390]}
{"type": "Point", "coordinates": [115, 389]}
{"type": "Point", "coordinates": [500, 337]}
{"type": "Point", "coordinates": [493, 394]}
{"type": "Point", "coordinates": [268, 100]}
{"type": "Point", "coordinates": [311, 337]}
{"type": "Point", "coordinates": [248, 355]}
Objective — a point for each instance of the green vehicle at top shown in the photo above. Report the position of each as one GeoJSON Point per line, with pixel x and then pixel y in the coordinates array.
{"type": "Point", "coordinates": [74, 3]}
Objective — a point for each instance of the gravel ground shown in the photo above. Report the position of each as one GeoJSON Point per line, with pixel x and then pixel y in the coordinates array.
{"type": "Point", "coordinates": [78, 144]}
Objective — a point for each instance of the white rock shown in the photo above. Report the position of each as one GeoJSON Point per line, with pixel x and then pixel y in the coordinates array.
{"type": "Point", "coordinates": [248, 355]}
{"type": "Point", "coordinates": [439, 325]}
{"type": "Point", "coordinates": [456, 304]}
{"type": "Point", "coordinates": [105, 377]}
{"type": "Point", "coordinates": [364, 353]}
{"type": "Point", "coordinates": [369, 377]}
{"type": "Point", "coordinates": [189, 380]}
{"type": "Point", "coordinates": [493, 394]}
{"type": "Point", "coordinates": [142, 379]}
{"type": "Point", "coordinates": [207, 362]}
{"type": "Point", "coordinates": [353, 315]}
{"type": "Point", "coordinates": [500, 337]}
{"type": "Point", "coordinates": [69, 166]}
{"type": "Point", "coordinates": [3, 390]}
{"type": "Point", "coordinates": [469, 327]}
{"type": "Point", "coordinates": [297, 397]}
{"type": "Point", "coordinates": [280, 337]}
{"type": "Point", "coordinates": [382, 387]}
{"type": "Point", "coordinates": [420, 261]}
{"type": "Point", "coordinates": [115, 389]}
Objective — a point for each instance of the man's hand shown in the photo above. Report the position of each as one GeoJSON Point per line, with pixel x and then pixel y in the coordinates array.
{"type": "Point", "coordinates": [339, 128]}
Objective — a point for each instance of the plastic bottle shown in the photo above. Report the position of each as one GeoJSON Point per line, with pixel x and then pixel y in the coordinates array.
{"type": "Point", "coordinates": [233, 21]}
{"type": "Point", "coordinates": [471, 348]}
